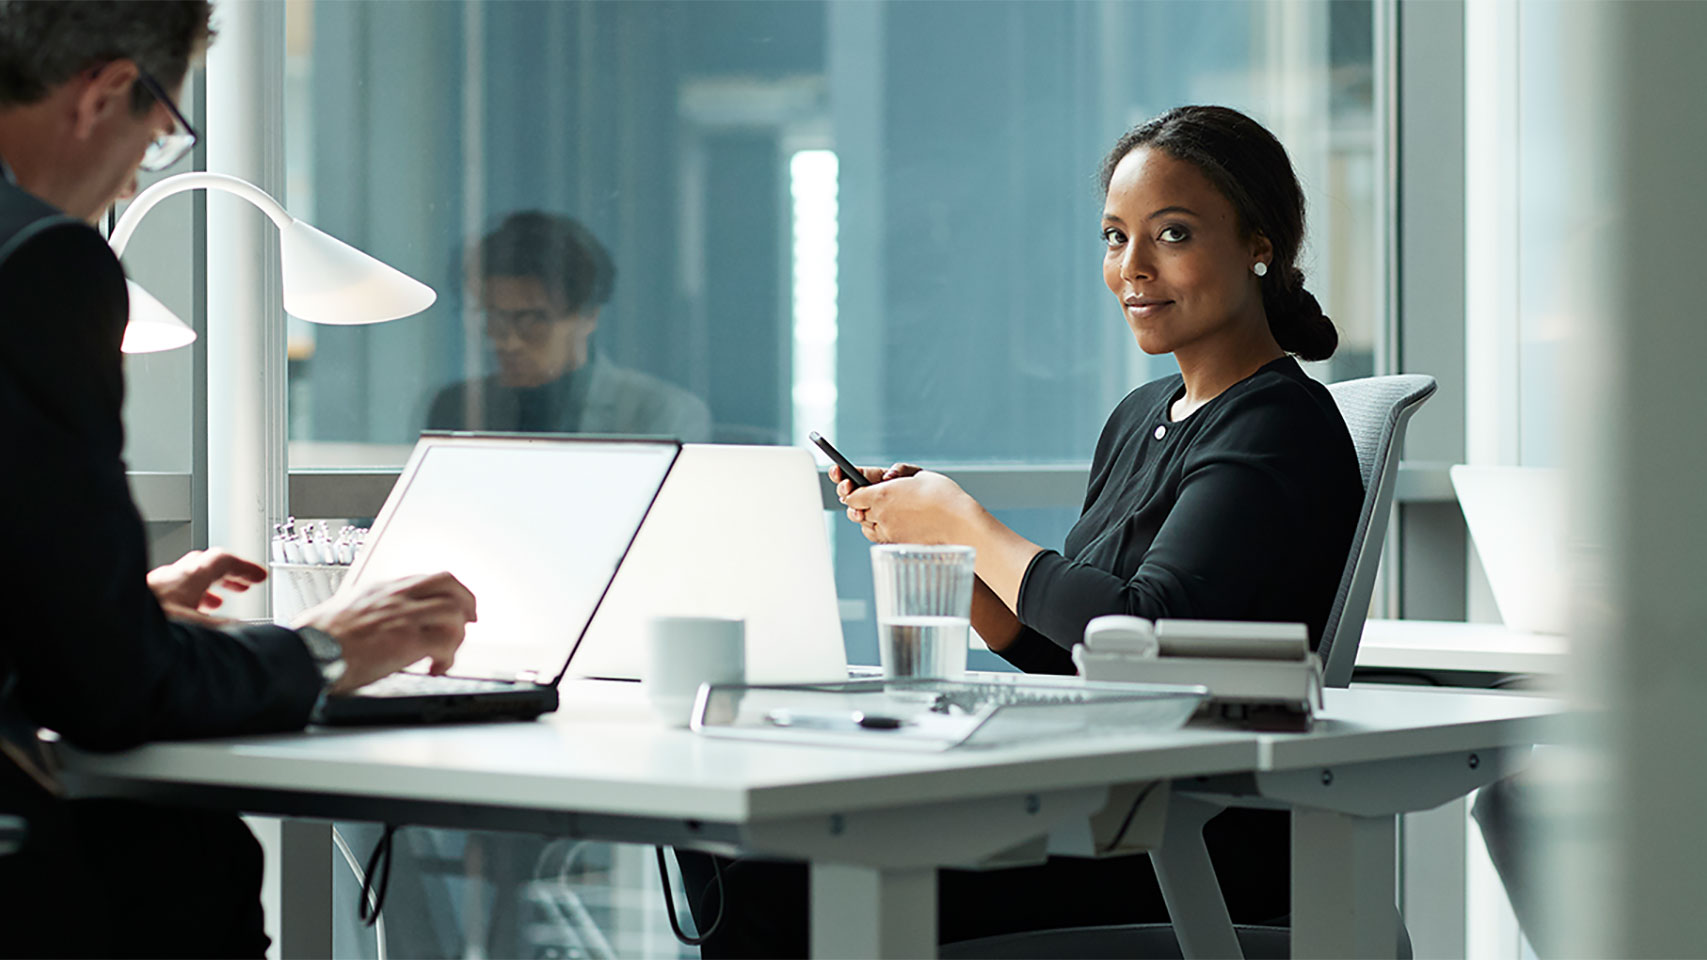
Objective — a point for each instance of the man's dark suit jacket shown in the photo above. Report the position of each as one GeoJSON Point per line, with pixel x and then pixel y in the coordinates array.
{"type": "Point", "coordinates": [84, 647]}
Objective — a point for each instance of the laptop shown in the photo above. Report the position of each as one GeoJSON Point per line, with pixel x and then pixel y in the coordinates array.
{"type": "Point", "coordinates": [536, 526]}
{"type": "Point", "coordinates": [1516, 518]}
{"type": "Point", "coordinates": [737, 531]}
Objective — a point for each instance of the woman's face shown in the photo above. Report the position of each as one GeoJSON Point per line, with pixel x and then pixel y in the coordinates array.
{"type": "Point", "coordinates": [1175, 259]}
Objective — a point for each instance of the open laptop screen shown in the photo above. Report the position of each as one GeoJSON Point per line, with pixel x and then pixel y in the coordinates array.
{"type": "Point", "coordinates": [535, 526]}
{"type": "Point", "coordinates": [761, 553]}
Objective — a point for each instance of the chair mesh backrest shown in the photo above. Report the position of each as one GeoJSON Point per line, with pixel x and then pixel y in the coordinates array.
{"type": "Point", "coordinates": [1375, 410]}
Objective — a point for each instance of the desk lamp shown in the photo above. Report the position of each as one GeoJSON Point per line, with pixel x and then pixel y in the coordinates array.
{"type": "Point", "coordinates": [153, 326]}
{"type": "Point", "coordinates": [325, 280]}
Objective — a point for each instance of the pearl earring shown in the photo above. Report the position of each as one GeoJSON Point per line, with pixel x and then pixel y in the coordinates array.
{"type": "Point", "coordinates": [1259, 268]}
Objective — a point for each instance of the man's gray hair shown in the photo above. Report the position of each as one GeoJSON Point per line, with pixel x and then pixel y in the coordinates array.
{"type": "Point", "coordinates": [44, 43]}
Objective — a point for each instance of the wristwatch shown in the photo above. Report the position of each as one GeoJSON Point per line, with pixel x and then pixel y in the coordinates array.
{"type": "Point", "coordinates": [328, 653]}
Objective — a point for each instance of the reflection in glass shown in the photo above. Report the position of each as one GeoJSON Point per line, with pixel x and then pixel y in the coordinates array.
{"type": "Point", "coordinates": [921, 173]}
{"type": "Point", "coordinates": [542, 280]}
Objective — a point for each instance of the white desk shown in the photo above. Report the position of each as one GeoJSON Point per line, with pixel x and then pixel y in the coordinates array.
{"type": "Point", "coordinates": [1469, 647]}
{"type": "Point", "coordinates": [874, 824]}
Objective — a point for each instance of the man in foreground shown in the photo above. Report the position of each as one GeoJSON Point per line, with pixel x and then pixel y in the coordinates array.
{"type": "Point", "coordinates": [94, 646]}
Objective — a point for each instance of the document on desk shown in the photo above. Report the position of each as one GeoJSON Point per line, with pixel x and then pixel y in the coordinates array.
{"type": "Point", "coordinates": [935, 715]}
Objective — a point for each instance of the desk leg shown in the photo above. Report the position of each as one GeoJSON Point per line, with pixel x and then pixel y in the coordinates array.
{"type": "Point", "coordinates": [870, 912]}
{"type": "Point", "coordinates": [1343, 885]}
{"type": "Point", "coordinates": [305, 889]}
{"type": "Point", "coordinates": [1189, 887]}
{"type": "Point", "coordinates": [1435, 871]}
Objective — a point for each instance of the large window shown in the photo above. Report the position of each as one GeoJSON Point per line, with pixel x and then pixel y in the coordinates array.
{"type": "Point", "coordinates": [876, 220]}
{"type": "Point", "coordinates": [163, 392]}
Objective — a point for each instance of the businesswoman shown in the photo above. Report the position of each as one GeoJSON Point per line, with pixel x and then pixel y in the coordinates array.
{"type": "Point", "coordinates": [1229, 491]}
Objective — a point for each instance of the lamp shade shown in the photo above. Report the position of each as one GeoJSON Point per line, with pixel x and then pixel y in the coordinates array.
{"type": "Point", "coordinates": [326, 280]}
{"type": "Point", "coordinates": [153, 327]}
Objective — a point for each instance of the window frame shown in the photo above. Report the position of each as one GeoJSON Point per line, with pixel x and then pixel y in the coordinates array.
{"type": "Point", "coordinates": [173, 501]}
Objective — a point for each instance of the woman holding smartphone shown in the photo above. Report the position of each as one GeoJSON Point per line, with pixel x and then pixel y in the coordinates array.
{"type": "Point", "coordinates": [1229, 491]}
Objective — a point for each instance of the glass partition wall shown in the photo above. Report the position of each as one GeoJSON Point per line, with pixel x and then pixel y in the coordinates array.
{"type": "Point", "coordinates": [875, 220]}
{"type": "Point", "coordinates": [878, 220]}
{"type": "Point", "coordinates": [740, 221]}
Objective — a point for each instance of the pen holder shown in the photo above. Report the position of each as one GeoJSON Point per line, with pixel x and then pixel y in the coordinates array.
{"type": "Point", "coordinates": [298, 586]}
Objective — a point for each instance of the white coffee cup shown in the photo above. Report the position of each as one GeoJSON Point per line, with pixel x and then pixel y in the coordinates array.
{"type": "Point", "coordinates": [684, 652]}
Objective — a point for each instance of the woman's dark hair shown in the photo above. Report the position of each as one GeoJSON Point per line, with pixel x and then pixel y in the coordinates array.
{"type": "Point", "coordinates": [1250, 168]}
{"type": "Point", "coordinates": [558, 251]}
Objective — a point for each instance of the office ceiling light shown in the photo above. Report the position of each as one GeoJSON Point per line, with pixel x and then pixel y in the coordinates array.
{"type": "Point", "coordinates": [325, 280]}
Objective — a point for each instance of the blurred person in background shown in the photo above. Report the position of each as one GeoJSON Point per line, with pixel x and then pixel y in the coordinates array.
{"type": "Point", "coordinates": [541, 280]}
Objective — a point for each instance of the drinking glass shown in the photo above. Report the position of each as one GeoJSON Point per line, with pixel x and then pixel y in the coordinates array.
{"type": "Point", "coordinates": [924, 608]}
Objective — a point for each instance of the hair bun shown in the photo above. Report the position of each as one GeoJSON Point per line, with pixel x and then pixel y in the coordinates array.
{"type": "Point", "coordinates": [1296, 319]}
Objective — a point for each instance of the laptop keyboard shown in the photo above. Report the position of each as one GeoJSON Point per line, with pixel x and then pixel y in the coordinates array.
{"type": "Point", "coordinates": [426, 685]}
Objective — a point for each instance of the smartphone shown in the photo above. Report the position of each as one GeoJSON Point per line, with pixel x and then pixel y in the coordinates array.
{"type": "Point", "coordinates": [849, 471]}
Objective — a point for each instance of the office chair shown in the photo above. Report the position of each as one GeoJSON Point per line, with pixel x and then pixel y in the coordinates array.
{"type": "Point", "coordinates": [1376, 411]}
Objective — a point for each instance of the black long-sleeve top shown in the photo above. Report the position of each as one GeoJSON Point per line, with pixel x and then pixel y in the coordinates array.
{"type": "Point", "coordinates": [84, 646]}
{"type": "Point", "coordinates": [1243, 510]}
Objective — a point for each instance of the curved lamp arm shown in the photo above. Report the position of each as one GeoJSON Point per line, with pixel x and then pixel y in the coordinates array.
{"type": "Point", "coordinates": [160, 190]}
{"type": "Point", "coordinates": [324, 279]}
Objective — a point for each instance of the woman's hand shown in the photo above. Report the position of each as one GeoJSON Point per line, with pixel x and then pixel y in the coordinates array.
{"type": "Point", "coordinates": [186, 587]}
{"type": "Point", "coordinates": [905, 504]}
{"type": "Point", "coordinates": [874, 475]}
{"type": "Point", "coordinates": [845, 486]}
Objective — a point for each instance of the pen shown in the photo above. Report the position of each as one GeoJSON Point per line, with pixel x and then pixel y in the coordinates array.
{"type": "Point", "coordinates": [781, 717]}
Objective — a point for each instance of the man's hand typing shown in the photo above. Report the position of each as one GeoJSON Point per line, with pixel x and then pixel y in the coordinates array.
{"type": "Point", "coordinates": [388, 626]}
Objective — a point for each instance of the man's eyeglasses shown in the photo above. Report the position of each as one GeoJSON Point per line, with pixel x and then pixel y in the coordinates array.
{"type": "Point", "coordinates": [529, 325]}
{"type": "Point", "coordinates": [169, 147]}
